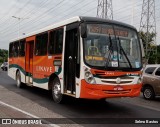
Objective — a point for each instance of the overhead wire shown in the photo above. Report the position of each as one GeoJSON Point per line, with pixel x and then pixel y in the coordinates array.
{"type": "Point", "coordinates": [42, 15]}
{"type": "Point", "coordinates": [35, 21]}
{"type": "Point", "coordinates": [16, 23]}
{"type": "Point", "coordinates": [18, 11]}
{"type": "Point", "coordinates": [74, 11]}
{"type": "Point", "coordinates": [8, 12]}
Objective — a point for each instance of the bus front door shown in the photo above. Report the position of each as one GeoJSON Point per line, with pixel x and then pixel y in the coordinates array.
{"type": "Point", "coordinates": [29, 62]}
{"type": "Point", "coordinates": [71, 42]}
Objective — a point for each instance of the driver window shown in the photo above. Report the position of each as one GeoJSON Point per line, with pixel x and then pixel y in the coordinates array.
{"type": "Point", "coordinates": [157, 72]}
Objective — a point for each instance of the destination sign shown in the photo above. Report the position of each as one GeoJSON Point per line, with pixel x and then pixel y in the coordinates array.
{"type": "Point", "coordinates": [101, 29]}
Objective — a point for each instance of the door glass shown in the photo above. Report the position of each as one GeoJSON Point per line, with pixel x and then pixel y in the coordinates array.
{"type": "Point", "coordinates": [150, 70]}
{"type": "Point", "coordinates": [158, 72]}
{"type": "Point", "coordinates": [70, 59]}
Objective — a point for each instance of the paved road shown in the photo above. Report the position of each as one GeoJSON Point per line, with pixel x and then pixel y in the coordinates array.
{"type": "Point", "coordinates": [39, 103]}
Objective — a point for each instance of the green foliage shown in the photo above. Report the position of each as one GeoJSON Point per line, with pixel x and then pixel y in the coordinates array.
{"type": "Point", "coordinates": [143, 36]}
{"type": "Point", "coordinates": [152, 58]}
{"type": "Point", "coordinates": [3, 55]}
{"type": "Point", "coordinates": [155, 58]}
{"type": "Point", "coordinates": [158, 54]}
{"type": "Point", "coordinates": [151, 55]}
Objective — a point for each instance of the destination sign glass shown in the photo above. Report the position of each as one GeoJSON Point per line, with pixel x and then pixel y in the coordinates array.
{"type": "Point", "coordinates": [102, 29]}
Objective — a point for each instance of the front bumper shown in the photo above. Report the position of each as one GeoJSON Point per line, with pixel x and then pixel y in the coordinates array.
{"type": "Point", "coordinates": [94, 91]}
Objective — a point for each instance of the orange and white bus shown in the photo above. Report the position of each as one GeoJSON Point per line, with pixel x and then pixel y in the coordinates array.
{"type": "Point", "coordinates": [82, 57]}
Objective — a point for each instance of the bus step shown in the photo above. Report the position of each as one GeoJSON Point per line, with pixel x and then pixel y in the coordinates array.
{"type": "Point", "coordinates": [69, 94]}
{"type": "Point", "coordinates": [29, 84]}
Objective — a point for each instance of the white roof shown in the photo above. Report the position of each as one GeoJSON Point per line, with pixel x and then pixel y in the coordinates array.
{"type": "Point", "coordinates": [153, 65]}
{"type": "Point", "coordinates": [59, 24]}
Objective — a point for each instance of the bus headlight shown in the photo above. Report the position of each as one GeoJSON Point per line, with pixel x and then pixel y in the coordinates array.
{"type": "Point", "coordinates": [88, 76]}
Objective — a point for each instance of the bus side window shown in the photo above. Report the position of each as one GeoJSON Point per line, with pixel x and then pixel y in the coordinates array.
{"type": "Point", "coordinates": [22, 48]}
{"type": "Point", "coordinates": [16, 48]}
{"type": "Point", "coordinates": [11, 50]}
{"type": "Point", "coordinates": [41, 44]}
{"type": "Point", "coordinates": [56, 41]}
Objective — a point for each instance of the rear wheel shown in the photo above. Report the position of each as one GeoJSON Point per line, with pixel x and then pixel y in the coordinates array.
{"type": "Point", "coordinates": [18, 80]}
{"type": "Point", "coordinates": [148, 93]}
{"type": "Point", "coordinates": [56, 91]}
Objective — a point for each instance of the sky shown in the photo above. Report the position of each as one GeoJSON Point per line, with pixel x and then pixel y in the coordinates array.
{"type": "Point", "coordinates": [36, 14]}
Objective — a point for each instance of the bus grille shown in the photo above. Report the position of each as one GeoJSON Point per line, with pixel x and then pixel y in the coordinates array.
{"type": "Point", "coordinates": [117, 91]}
{"type": "Point", "coordinates": [114, 82]}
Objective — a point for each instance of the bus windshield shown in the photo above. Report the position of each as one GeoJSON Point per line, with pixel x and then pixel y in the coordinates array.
{"type": "Point", "coordinates": [112, 46]}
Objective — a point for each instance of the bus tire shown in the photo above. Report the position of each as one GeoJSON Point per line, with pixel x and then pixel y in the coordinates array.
{"type": "Point", "coordinates": [56, 91]}
{"type": "Point", "coordinates": [18, 80]}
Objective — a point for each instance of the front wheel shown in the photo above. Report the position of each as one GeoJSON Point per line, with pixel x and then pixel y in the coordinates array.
{"type": "Point", "coordinates": [148, 93]}
{"type": "Point", "coordinates": [18, 80]}
{"type": "Point", "coordinates": [56, 91]}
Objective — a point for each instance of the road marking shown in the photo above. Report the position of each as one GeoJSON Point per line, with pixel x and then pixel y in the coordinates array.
{"type": "Point", "coordinates": [141, 105]}
{"type": "Point", "coordinates": [145, 106]}
{"type": "Point", "coordinates": [29, 114]}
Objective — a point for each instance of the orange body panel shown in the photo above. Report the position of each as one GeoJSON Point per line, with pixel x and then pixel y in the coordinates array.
{"type": "Point", "coordinates": [114, 73]}
{"type": "Point", "coordinates": [94, 91]}
{"type": "Point", "coordinates": [43, 65]}
{"type": "Point", "coordinates": [98, 91]}
{"type": "Point", "coordinates": [19, 61]}
{"type": "Point", "coordinates": [29, 49]}
{"type": "Point", "coordinates": [32, 38]}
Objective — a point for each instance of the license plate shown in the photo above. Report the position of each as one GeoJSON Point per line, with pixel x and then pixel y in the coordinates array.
{"type": "Point", "coordinates": [118, 88]}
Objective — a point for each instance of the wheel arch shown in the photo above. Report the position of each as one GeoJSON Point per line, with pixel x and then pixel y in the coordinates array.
{"type": "Point", "coordinates": [147, 85]}
{"type": "Point", "coordinates": [52, 77]}
{"type": "Point", "coordinates": [17, 72]}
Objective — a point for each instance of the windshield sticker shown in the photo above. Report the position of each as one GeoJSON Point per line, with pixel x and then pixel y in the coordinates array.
{"type": "Point", "coordinates": [114, 64]}
{"type": "Point", "coordinates": [114, 57]}
{"type": "Point", "coordinates": [94, 58]}
{"type": "Point", "coordinates": [137, 64]}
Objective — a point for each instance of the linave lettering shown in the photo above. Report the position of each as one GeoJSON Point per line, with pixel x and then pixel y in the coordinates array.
{"type": "Point", "coordinates": [43, 69]}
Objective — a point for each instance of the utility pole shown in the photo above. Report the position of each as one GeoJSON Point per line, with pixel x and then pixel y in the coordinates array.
{"type": "Point", "coordinates": [105, 9]}
{"type": "Point", "coordinates": [148, 26]}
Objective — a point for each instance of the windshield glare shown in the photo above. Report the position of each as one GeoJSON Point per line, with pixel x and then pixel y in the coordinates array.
{"type": "Point", "coordinates": [111, 46]}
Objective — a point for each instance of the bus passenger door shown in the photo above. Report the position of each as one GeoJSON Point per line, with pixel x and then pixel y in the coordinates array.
{"type": "Point", "coordinates": [29, 62]}
{"type": "Point", "coordinates": [70, 59]}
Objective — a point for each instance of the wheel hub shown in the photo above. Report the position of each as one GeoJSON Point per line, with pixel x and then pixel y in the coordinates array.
{"type": "Point", "coordinates": [147, 93]}
{"type": "Point", "coordinates": [57, 90]}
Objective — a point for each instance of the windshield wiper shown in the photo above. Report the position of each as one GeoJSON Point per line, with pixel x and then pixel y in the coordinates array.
{"type": "Point", "coordinates": [121, 49]}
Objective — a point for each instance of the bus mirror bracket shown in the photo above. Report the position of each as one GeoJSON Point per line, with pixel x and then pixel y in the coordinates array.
{"type": "Point", "coordinates": [83, 30]}
{"type": "Point", "coordinates": [142, 48]}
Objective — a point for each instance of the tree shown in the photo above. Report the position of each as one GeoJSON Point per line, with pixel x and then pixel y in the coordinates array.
{"type": "Point", "coordinates": [3, 55]}
{"type": "Point", "coordinates": [150, 52]}
{"type": "Point", "coordinates": [158, 54]}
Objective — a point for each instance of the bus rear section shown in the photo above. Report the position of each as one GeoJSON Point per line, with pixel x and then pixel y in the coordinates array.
{"type": "Point", "coordinates": [81, 57]}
